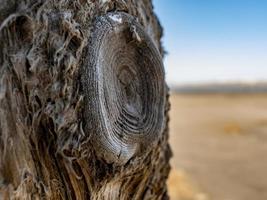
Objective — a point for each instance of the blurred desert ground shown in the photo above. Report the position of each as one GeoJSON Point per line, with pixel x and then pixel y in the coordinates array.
{"type": "Point", "coordinates": [219, 144]}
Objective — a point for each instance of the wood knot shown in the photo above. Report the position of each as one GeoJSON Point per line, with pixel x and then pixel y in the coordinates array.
{"type": "Point", "coordinates": [123, 85]}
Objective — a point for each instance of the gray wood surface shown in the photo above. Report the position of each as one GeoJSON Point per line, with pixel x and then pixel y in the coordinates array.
{"type": "Point", "coordinates": [64, 138]}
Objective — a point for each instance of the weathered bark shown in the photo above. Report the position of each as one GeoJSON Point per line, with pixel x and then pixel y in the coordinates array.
{"type": "Point", "coordinates": [83, 103]}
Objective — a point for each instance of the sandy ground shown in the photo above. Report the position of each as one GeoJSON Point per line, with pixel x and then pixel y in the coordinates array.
{"type": "Point", "coordinates": [220, 147]}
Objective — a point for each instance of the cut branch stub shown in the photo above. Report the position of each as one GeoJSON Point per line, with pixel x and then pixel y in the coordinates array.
{"type": "Point", "coordinates": [124, 89]}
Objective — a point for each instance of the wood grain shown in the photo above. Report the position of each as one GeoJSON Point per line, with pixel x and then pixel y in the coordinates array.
{"type": "Point", "coordinates": [65, 117]}
{"type": "Point", "coordinates": [123, 81]}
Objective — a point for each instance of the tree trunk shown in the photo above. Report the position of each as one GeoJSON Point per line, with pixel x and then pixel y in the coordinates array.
{"type": "Point", "coordinates": [83, 100]}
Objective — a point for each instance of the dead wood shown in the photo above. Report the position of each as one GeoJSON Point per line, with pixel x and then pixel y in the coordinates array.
{"type": "Point", "coordinates": [52, 136]}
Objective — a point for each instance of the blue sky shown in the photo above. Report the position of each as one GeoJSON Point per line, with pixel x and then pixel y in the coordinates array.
{"type": "Point", "coordinates": [214, 40]}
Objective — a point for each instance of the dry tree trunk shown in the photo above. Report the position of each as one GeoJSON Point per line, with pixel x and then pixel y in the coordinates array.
{"type": "Point", "coordinates": [83, 101]}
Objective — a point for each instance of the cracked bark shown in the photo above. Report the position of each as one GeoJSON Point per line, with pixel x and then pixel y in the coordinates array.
{"type": "Point", "coordinates": [83, 102]}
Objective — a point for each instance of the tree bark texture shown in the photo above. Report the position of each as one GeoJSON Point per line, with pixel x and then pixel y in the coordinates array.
{"type": "Point", "coordinates": [83, 100]}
